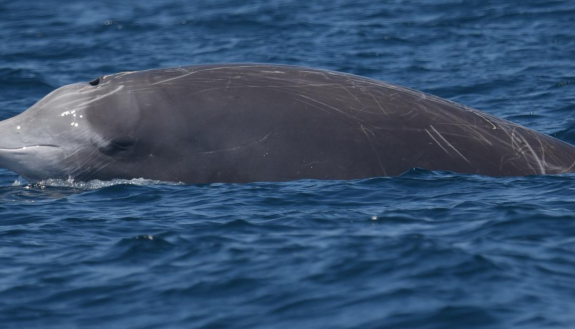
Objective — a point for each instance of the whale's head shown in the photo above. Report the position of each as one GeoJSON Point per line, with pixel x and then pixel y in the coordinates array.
{"type": "Point", "coordinates": [56, 137]}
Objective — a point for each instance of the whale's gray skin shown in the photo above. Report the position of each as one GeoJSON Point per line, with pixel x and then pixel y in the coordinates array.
{"type": "Point", "coordinates": [253, 122]}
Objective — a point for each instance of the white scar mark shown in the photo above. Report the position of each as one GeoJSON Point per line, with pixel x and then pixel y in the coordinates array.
{"type": "Point", "coordinates": [328, 106]}
{"type": "Point", "coordinates": [194, 72]}
{"type": "Point", "coordinates": [101, 96]}
{"type": "Point", "coordinates": [535, 156]}
{"type": "Point", "coordinates": [482, 116]}
{"type": "Point", "coordinates": [448, 143]}
{"type": "Point", "coordinates": [437, 142]}
{"type": "Point", "coordinates": [239, 147]}
{"type": "Point", "coordinates": [319, 72]}
{"type": "Point", "coordinates": [124, 73]}
{"type": "Point", "coordinates": [365, 130]}
{"type": "Point", "coordinates": [349, 92]}
{"type": "Point", "coordinates": [228, 84]}
{"type": "Point", "coordinates": [63, 95]}
{"type": "Point", "coordinates": [378, 104]}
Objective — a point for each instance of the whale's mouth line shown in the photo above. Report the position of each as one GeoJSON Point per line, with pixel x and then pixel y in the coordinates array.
{"type": "Point", "coordinates": [27, 147]}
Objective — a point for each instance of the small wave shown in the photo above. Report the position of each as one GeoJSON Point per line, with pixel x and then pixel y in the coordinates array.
{"type": "Point", "coordinates": [18, 77]}
{"type": "Point", "coordinates": [140, 248]}
{"type": "Point", "coordinates": [567, 135]}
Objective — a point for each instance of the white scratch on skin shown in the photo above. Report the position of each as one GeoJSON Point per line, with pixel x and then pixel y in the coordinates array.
{"type": "Point", "coordinates": [542, 148]}
{"type": "Point", "coordinates": [449, 144]}
{"type": "Point", "coordinates": [349, 92]}
{"type": "Point", "coordinates": [568, 169]}
{"type": "Point", "coordinates": [64, 94]}
{"type": "Point", "coordinates": [365, 130]}
{"type": "Point", "coordinates": [239, 147]}
{"type": "Point", "coordinates": [316, 72]}
{"type": "Point", "coordinates": [194, 72]}
{"type": "Point", "coordinates": [310, 163]}
{"type": "Point", "coordinates": [539, 162]}
{"type": "Point", "coordinates": [470, 130]}
{"type": "Point", "coordinates": [260, 86]}
{"type": "Point", "coordinates": [437, 142]}
{"type": "Point", "coordinates": [124, 73]}
{"type": "Point", "coordinates": [228, 84]}
{"type": "Point", "coordinates": [410, 112]}
{"type": "Point", "coordinates": [315, 106]}
{"type": "Point", "coordinates": [328, 106]}
{"type": "Point", "coordinates": [482, 116]}
{"type": "Point", "coordinates": [101, 96]}
{"type": "Point", "coordinates": [378, 104]}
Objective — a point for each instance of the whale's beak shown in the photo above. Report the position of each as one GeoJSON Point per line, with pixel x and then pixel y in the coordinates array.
{"type": "Point", "coordinates": [22, 153]}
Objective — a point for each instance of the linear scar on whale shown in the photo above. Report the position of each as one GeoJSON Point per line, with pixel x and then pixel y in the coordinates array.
{"type": "Point", "coordinates": [256, 122]}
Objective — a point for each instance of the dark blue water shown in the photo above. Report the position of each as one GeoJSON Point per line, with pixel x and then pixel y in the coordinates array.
{"type": "Point", "coordinates": [424, 250]}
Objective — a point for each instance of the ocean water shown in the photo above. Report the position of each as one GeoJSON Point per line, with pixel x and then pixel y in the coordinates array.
{"type": "Point", "coordinates": [423, 250]}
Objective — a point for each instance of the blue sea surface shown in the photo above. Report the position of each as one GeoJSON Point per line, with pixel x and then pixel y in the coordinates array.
{"type": "Point", "coordinates": [423, 250]}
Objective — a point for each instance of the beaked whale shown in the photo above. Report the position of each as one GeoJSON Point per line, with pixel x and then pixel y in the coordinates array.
{"type": "Point", "coordinates": [258, 122]}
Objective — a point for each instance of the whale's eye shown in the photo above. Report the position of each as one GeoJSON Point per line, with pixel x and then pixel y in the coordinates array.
{"type": "Point", "coordinates": [117, 146]}
{"type": "Point", "coordinates": [94, 82]}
